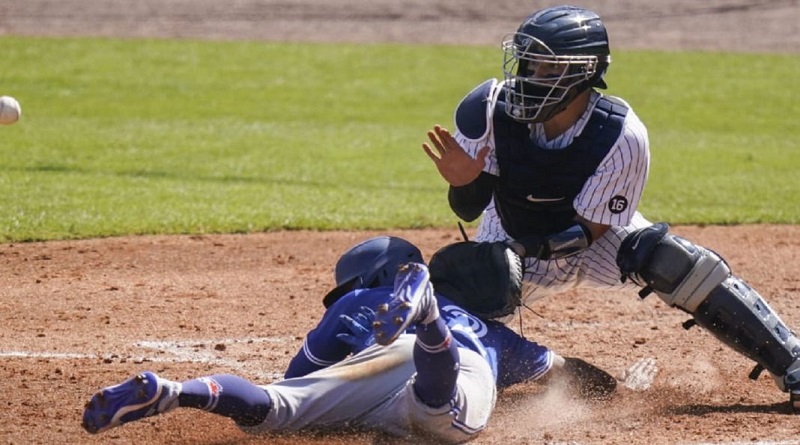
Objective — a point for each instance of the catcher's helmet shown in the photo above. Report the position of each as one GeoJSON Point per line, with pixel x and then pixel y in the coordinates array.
{"type": "Point", "coordinates": [556, 54]}
{"type": "Point", "coordinates": [371, 263]}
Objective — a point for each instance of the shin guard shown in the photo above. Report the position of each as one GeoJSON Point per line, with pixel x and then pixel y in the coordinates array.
{"type": "Point", "coordinates": [699, 282]}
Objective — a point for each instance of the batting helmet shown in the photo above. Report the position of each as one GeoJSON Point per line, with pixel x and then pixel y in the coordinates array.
{"type": "Point", "coordinates": [371, 263]}
{"type": "Point", "coordinates": [556, 54]}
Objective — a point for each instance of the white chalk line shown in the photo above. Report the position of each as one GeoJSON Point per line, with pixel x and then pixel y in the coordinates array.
{"type": "Point", "coordinates": [52, 355]}
{"type": "Point", "coordinates": [184, 351]}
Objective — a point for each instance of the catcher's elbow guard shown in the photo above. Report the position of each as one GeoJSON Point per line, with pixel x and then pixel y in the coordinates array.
{"type": "Point", "coordinates": [698, 281]}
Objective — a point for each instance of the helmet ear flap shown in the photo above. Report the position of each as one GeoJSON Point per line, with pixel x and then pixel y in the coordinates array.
{"type": "Point", "coordinates": [598, 80]}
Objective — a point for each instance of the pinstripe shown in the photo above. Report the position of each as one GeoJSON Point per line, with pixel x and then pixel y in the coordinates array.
{"type": "Point", "coordinates": [623, 172]}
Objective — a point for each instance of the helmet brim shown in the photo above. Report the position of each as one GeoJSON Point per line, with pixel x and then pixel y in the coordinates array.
{"type": "Point", "coordinates": [339, 291]}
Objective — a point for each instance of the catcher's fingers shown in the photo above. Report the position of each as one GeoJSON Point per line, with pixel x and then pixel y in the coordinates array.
{"type": "Point", "coordinates": [430, 153]}
{"type": "Point", "coordinates": [640, 375]}
{"type": "Point", "coordinates": [435, 149]}
{"type": "Point", "coordinates": [441, 140]}
{"type": "Point", "coordinates": [445, 139]}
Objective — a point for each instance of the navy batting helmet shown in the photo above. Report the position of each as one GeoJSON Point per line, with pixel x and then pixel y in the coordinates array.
{"type": "Point", "coordinates": [556, 54]}
{"type": "Point", "coordinates": [371, 263]}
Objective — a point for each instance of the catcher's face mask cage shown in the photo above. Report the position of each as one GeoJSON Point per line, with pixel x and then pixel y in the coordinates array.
{"type": "Point", "coordinates": [539, 83]}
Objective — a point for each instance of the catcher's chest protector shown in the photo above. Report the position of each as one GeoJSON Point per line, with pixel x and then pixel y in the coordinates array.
{"type": "Point", "coordinates": [537, 185]}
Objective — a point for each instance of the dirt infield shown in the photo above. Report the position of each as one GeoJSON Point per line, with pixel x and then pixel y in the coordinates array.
{"type": "Point", "coordinates": [82, 314]}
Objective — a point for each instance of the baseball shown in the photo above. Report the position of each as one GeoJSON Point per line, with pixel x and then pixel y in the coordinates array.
{"type": "Point", "coordinates": [10, 110]}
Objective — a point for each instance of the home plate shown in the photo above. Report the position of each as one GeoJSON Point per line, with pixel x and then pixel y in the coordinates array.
{"type": "Point", "coordinates": [640, 375]}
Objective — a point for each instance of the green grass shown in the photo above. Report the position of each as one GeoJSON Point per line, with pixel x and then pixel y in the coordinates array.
{"type": "Point", "coordinates": [723, 132]}
{"type": "Point", "coordinates": [145, 136]}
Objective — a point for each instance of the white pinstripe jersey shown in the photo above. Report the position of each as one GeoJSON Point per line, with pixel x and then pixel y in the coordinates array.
{"type": "Point", "coordinates": [610, 196]}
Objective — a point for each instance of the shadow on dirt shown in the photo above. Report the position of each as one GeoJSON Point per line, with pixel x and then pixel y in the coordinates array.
{"type": "Point", "coordinates": [702, 409]}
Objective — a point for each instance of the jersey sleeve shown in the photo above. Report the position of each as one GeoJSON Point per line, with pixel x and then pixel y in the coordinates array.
{"type": "Point", "coordinates": [612, 194]}
{"type": "Point", "coordinates": [321, 348]}
{"type": "Point", "coordinates": [520, 360]}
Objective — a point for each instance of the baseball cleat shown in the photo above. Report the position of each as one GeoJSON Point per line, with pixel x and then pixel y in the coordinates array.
{"type": "Point", "coordinates": [412, 302]}
{"type": "Point", "coordinates": [141, 396]}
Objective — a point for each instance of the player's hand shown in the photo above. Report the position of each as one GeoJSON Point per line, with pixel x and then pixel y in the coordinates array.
{"type": "Point", "coordinates": [454, 164]}
{"type": "Point", "coordinates": [359, 326]}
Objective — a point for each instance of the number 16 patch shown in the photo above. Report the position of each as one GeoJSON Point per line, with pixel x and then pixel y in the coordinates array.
{"type": "Point", "coordinates": [618, 204]}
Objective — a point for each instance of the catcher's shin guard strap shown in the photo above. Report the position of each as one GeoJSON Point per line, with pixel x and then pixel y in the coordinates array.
{"type": "Point", "coordinates": [739, 317]}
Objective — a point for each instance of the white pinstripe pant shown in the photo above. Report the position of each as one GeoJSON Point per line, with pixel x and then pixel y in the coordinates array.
{"type": "Point", "coordinates": [593, 268]}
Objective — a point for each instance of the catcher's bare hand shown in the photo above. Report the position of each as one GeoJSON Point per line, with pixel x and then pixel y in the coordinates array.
{"type": "Point", "coordinates": [454, 164]}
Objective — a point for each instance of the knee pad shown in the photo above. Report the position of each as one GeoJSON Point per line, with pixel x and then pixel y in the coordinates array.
{"type": "Point", "coordinates": [699, 282]}
{"type": "Point", "coordinates": [681, 273]}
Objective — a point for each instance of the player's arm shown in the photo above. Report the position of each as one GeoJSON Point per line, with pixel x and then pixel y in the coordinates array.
{"type": "Point", "coordinates": [470, 187]}
{"type": "Point", "coordinates": [469, 201]}
{"type": "Point", "coordinates": [465, 159]}
{"type": "Point", "coordinates": [612, 194]}
{"type": "Point", "coordinates": [574, 239]}
{"type": "Point", "coordinates": [519, 360]}
{"type": "Point", "coordinates": [320, 349]}
{"type": "Point", "coordinates": [322, 346]}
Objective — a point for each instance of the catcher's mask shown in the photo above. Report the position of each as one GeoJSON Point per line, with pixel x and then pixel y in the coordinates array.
{"type": "Point", "coordinates": [556, 54]}
{"type": "Point", "coordinates": [371, 263]}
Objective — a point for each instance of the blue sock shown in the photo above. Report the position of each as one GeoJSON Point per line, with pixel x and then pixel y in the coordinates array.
{"type": "Point", "coordinates": [437, 362]}
{"type": "Point", "coordinates": [229, 396]}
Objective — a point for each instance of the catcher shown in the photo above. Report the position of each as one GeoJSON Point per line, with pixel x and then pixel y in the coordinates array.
{"type": "Point", "coordinates": [388, 355]}
{"type": "Point", "coordinates": [557, 169]}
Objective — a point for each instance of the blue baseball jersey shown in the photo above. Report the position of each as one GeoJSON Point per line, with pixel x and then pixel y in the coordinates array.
{"type": "Point", "coordinates": [512, 358]}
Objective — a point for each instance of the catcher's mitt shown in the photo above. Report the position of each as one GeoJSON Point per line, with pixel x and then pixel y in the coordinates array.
{"type": "Point", "coordinates": [483, 278]}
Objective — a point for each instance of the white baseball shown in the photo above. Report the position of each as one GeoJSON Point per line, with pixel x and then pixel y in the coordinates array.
{"type": "Point", "coordinates": [10, 111]}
